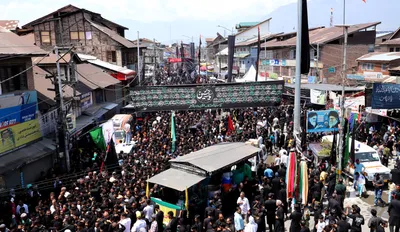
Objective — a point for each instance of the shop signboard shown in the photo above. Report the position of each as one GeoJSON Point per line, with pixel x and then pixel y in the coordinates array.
{"type": "Point", "coordinates": [17, 108]}
{"type": "Point", "coordinates": [19, 135]}
{"type": "Point", "coordinates": [199, 97]}
{"type": "Point", "coordinates": [322, 121]}
{"type": "Point", "coordinates": [86, 100]}
{"type": "Point", "coordinates": [355, 77]}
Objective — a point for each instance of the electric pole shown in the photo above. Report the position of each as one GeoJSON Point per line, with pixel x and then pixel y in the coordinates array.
{"type": "Point", "coordinates": [317, 64]}
{"type": "Point", "coordinates": [154, 61]}
{"type": "Point", "coordinates": [63, 141]}
{"type": "Point", "coordinates": [342, 109]}
{"type": "Point", "coordinates": [138, 58]}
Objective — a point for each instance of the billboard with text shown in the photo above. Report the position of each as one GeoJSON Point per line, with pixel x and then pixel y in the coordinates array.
{"type": "Point", "coordinates": [199, 97]}
{"type": "Point", "coordinates": [17, 108]}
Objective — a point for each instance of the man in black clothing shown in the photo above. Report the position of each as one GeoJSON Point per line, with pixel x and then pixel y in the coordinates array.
{"type": "Point", "coordinates": [208, 222]}
{"type": "Point", "coordinates": [394, 213]}
{"type": "Point", "coordinates": [358, 219]}
{"type": "Point", "coordinates": [334, 204]}
{"type": "Point", "coordinates": [296, 218]}
{"type": "Point", "coordinates": [304, 227]}
{"type": "Point", "coordinates": [343, 225]}
{"type": "Point", "coordinates": [209, 210]}
{"type": "Point", "coordinates": [270, 207]}
{"type": "Point", "coordinates": [159, 217]}
{"type": "Point", "coordinates": [276, 184]}
{"type": "Point", "coordinates": [317, 214]}
{"type": "Point", "coordinates": [375, 221]}
{"type": "Point", "coordinates": [173, 223]}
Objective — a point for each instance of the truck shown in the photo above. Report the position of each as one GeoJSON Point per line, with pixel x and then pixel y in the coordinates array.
{"type": "Point", "coordinates": [367, 156]}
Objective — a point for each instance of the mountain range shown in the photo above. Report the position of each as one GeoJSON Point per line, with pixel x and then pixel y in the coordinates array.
{"type": "Point", "coordinates": [284, 19]}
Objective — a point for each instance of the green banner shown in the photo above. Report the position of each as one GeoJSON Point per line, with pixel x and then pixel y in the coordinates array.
{"type": "Point", "coordinates": [98, 139]}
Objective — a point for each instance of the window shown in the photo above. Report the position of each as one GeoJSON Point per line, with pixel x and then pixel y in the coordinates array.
{"type": "Point", "coordinates": [391, 49]}
{"type": "Point", "coordinates": [19, 82]}
{"type": "Point", "coordinates": [385, 67]}
{"type": "Point", "coordinates": [367, 66]}
{"type": "Point", "coordinates": [88, 35]}
{"type": "Point", "coordinates": [112, 56]}
{"type": "Point", "coordinates": [77, 35]}
{"type": "Point", "coordinates": [45, 37]}
{"type": "Point", "coordinates": [293, 54]}
{"type": "Point", "coordinates": [397, 49]}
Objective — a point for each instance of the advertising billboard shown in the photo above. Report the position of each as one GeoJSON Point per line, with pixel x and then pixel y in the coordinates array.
{"type": "Point", "coordinates": [18, 135]}
{"type": "Point", "coordinates": [17, 108]}
{"type": "Point", "coordinates": [18, 122]}
{"type": "Point", "coordinates": [322, 121]}
{"type": "Point", "coordinates": [198, 97]}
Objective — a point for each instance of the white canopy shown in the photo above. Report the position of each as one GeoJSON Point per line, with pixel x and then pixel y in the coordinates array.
{"type": "Point", "coordinates": [250, 76]}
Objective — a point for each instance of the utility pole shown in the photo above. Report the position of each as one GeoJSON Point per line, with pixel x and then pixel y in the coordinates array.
{"type": "Point", "coordinates": [342, 109]}
{"type": "Point", "coordinates": [317, 63]}
{"type": "Point", "coordinates": [297, 104]}
{"type": "Point", "coordinates": [154, 61]}
{"type": "Point", "coordinates": [265, 57]}
{"type": "Point", "coordinates": [62, 114]}
{"type": "Point", "coordinates": [138, 58]}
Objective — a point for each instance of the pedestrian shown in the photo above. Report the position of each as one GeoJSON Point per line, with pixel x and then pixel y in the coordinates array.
{"type": "Point", "coordinates": [358, 219]}
{"type": "Point", "coordinates": [295, 217]}
{"type": "Point", "coordinates": [378, 185]}
{"type": "Point", "coordinates": [358, 168]}
{"type": "Point", "coordinates": [244, 205]}
{"type": "Point", "coordinates": [394, 213]}
{"type": "Point", "coordinates": [238, 220]}
{"type": "Point", "coordinates": [251, 226]}
{"type": "Point", "coordinates": [321, 224]}
{"type": "Point", "coordinates": [375, 221]}
{"type": "Point", "coordinates": [270, 207]}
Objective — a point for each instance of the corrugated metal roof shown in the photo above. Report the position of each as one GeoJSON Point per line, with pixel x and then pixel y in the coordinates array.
{"type": "Point", "coordinates": [322, 35]}
{"type": "Point", "coordinates": [253, 26]}
{"type": "Point", "coordinates": [93, 60]}
{"type": "Point", "coordinates": [95, 77]}
{"type": "Point", "coordinates": [9, 24]}
{"type": "Point", "coordinates": [380, 56]}
{"type": "Point", "coordinates": [113, 35]}
{"type": "Point", "coordinates": [392, 42]}
{"type": "Point", "coordinates": [255, 40]}
{"type": "Point", "coordinates": [12, 44]}
{"type": "Point", "coordinates": [246, 24]}
{"type": "Point", "coordinates": [326, 87]}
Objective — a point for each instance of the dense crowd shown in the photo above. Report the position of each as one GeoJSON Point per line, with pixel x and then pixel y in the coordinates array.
{"type": "Point", "coordinates": [115, 199]}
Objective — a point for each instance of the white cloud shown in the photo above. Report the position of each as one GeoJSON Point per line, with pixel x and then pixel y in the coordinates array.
{"type": "Point", "coordinates": [148, 10]}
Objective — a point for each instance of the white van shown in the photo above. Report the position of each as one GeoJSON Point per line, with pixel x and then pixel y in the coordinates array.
{"type": "Point", "coordinates": [368, 157]}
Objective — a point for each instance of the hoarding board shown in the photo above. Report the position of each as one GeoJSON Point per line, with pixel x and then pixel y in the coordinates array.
{"type": "Point", "coordinates": [19, 135]}
{"type": "Point", "coordinates": [322, 121]}
{"type": "Point", "coordinates": [385, 96]}
{"type": "Point", "coordinates": [196, 97]}
{"type": "Point", "coordinates": [17, 108]}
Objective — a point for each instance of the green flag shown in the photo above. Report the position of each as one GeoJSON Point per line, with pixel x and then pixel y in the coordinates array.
{"type": "Point", "coordinates": [347, 146]}
{"type": "Point", "coordinates": [98, 139]}
{"type": "Point", "coordinates": [173, 136]}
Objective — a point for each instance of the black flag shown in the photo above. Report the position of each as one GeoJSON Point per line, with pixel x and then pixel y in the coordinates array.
{"type": "Point", "coordinates": [258, 53]}
{"type": "Point", "coordinates": [111, 154]}
{"type": "Point", "coordinates": [305, 40]}
{"type": "Point", "coordinates": [332, 159]}
{"type": "Point", "coordinates": [199, 54]}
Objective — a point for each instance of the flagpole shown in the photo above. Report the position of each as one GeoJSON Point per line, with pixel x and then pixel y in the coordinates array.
{"type": "Point", "coordinates": [297, 107]}
{"type": "Point", "coordinates": [258, 55]}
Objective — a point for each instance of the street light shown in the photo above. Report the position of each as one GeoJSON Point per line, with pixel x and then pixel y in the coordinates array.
{"type": "Point", "coordinates": [226, 29]}
{"type": "Point", "coordinates": [190, 37]}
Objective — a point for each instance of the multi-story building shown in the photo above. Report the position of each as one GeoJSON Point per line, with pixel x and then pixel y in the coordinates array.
{"type": "Point", "coordinates": [24, 152]}
{"type": "Point", "coordinates": [392, 43]}
{"type": "Point", "coordinates": [252, 31]}
{"type": "Point", "coordinates": [87, 31]}
{"type": "Point", "coordinates": [326, 52]}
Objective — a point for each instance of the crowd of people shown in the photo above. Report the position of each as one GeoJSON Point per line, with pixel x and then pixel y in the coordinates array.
{"type": "Point", "coordinates": [114, 199]}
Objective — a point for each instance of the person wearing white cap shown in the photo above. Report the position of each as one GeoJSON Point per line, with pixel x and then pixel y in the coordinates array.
{"type": "Point", "coordinates": [140, 223]}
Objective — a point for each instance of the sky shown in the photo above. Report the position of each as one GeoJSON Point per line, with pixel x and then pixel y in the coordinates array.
{"type": "Point", "coordinates": [170, 21]}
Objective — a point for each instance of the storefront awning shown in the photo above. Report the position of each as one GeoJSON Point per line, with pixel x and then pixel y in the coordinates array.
{"type": "Point", "coordinates": [26, 155]}
{"type": "Point", "coordinates": [176, 179]}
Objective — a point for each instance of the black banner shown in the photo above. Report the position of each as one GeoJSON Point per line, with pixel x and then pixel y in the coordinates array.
{"type": "Point", "coordinates": [200, 97]}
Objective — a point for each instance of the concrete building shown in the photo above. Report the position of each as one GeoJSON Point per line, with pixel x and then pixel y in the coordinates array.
{"type": "Point", "coordinates": [326, 52]}
{"type": "Point", "coordinates": [252, 31]}
{"type": "Point", "coordinates": [376, 66]}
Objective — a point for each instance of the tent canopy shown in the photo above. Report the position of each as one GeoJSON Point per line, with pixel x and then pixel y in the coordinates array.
{"type": "Point", "coordinates": [176, 179]}
{"type": "Point", "coordinates": [250, 76]}
{"type": "Point", "coordinates": [217, 157]}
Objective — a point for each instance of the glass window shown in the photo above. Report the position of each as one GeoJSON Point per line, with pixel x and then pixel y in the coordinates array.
{"type": "Point", "coordinates": [18, 82]}
{"type": "Point", "coordinates": [77, 35]}
{"type": "Point", "coordinates": [45, 37]}
{"type": "Point", "coordinates": [397, 49]}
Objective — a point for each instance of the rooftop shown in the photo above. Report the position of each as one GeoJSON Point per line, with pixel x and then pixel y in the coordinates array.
{"type": "Point", "coordinates": [255, 40]}
{"type": "Point", "coordinates": [380, 56]}
{"type": "Point", "coordinates": [254, 26]}
{"type": "Point", "coordinates": [9, 24]}
{"type": "Point", "coordinates": [322, 35]}
{"type": "Point", "coordinates": [246, 24]}
{"type": "Point", "coordinates": [12, 44]}
{"type": "Point", "coordinates": [113, 35]}
{"type": "Point", "coordinates": [392, 42]}
{"type": "Point", "coordinates": [93, 60]}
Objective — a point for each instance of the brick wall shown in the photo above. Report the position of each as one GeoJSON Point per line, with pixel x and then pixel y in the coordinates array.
{"type": "Point", "coordinates": [331, 55]}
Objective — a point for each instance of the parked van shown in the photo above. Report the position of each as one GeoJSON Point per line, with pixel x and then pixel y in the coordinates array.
{"type": "Point", "coordinates": [368, 157]}
{"type": "Point", "coordinates": [119, 120]}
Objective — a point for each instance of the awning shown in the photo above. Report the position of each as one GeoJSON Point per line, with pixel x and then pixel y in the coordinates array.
{"type": "Point", "coordinates": [176, 179]}
{"type": "Point", "coordinates": [242, 55]}
{"type": "Point", "coordinates": [26, 155]}
{"type": "Point", "coordinates": [218, 157]}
